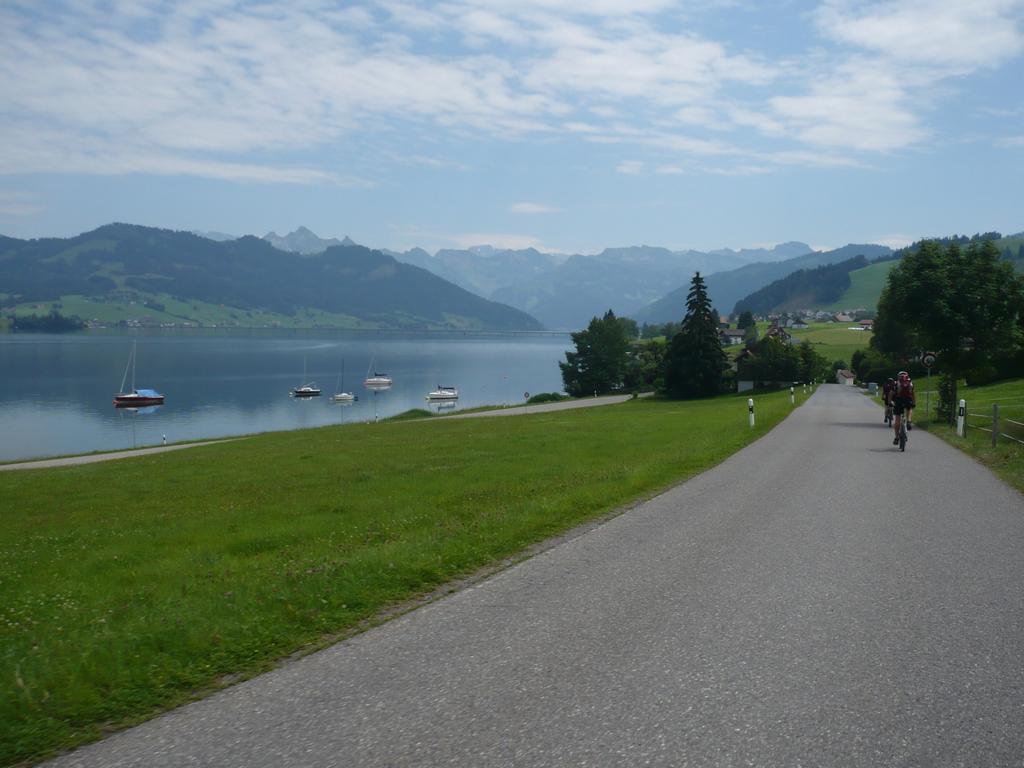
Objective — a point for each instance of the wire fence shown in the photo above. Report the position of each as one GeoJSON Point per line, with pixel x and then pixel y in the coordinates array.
{"type": "Point", "coordinates": [1002, 420]}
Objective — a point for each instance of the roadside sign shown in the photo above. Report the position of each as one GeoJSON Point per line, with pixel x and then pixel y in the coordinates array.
{"type": "Point", "coordinates": [526, 395]}
{"type": "Point", "coordinates": [928, 359]}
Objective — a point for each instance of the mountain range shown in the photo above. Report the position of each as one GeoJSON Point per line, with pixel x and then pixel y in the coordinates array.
{"type": "Point", "coordinates": [300, 274]}
{"type": "Point", "coordinates": [727, 288]}
{"type": "Point", "coordinates": [151, 267]}
{"type": "Point", "coordinates": [566, 291]}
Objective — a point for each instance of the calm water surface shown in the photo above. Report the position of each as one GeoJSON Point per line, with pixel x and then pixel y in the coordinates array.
{"type": "Point", "coordinates": [56, 391]}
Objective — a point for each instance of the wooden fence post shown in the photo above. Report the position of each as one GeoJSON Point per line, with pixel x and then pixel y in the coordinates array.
{"type": "Point", "coordinates": [995, 423]}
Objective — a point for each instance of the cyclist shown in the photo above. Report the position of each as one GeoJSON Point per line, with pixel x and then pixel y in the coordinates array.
{"type": "Point", "coordinates": [888, 389]}
{"type": "Point", "coordinates": [903, 402]}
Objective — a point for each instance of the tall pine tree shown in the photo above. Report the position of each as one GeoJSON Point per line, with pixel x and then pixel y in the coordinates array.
{"type": "Point", "coordinates": [695, 361]}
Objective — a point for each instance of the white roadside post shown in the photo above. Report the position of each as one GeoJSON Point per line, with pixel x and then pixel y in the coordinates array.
{"type": "Point", "coordinates": [750, 407]}
{"type": "Point", "coordinates": [960, 418]}
{"type": "Point", "coordinates": [792, 396]}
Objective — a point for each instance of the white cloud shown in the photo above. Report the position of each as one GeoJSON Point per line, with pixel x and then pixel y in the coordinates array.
{"type": "Point", "coordinates": [860, 106]}
{"type": "Point", "coordinates": [947, 34]}
{"type": "Point", "coordinates": [247, 91]}
{"type": "Point", "coordinates": [631, 167]}
{"type": "Point", "coordinates": [1011, 141]}
{"type": "Point", "coordinates": [533, 208]}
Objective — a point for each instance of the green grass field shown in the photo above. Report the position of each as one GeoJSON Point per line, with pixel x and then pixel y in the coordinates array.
{"type": "Point", "coordinates": [131, 586]}
{"type": "Point", "coordinates": [865, 287]}
{"type": "Point", "coordinates": [834, 341]}
{"type": "Point", "coordinates": [113, 311]}
{"type": "Point", "coordinates": [1006, 459]}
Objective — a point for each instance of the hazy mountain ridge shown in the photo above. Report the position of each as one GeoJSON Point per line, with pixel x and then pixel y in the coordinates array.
{"type": "Point", "coordinates": [304, 241]}
{"type": "Point", "coordinates": [802, 289]}
{"type": "Point", "coordinates": [247, 273]}
{"type": "Point", "coordinates": [726, 288]}
{"type": "Point", "coordinates": [567, 291]}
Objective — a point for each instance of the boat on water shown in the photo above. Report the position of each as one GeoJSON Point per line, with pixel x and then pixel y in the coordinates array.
{"type": "Point", "coordinates": [340, 395]}
{"type": "Point", "coordinates": [135, 398]}
{"type": "Point", "coordinates": [443, 393]}
{"type": "Point", "coordinates": [377, 380]}
{"type": "Point", "coordinates": [306, 390]}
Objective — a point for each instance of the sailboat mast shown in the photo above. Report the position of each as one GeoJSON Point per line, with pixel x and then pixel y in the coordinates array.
{"type": "Point", "coordinates": [131, 358]}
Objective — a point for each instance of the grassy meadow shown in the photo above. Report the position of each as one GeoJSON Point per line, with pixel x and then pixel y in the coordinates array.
{"type": "Point", "coordinates": [130, 586]}
{"type": "Point", "coordinates": [833, 341]}
{"type": "Point", "coordinates": [1006, 459]}
{"type": "Point", "coordinates": [865, 287]}
{"type": "Point", "coordinates": [113, 311]}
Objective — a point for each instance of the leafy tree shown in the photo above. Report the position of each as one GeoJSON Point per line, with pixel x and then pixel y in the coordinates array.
{"type": "Point", "coordinates": [773, 361]}
{"type": "Point", "coordinates": [811, 366]}
{"type": "Point", "coordinates": [645, 368]}
{"type": "Point", "coordinates": [695, 361]}
{"type": "Point", "coordinates": [746, 320]}
{"type": "Point", "coordinates": [599, 363]}
{"type": "Point", "coordinates": [962, 304]}
{"type": "Point", "coordinates": [629, 327]}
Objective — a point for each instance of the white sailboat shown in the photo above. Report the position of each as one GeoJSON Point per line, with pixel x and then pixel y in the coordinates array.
{"type": "Point", "coordinates": [340, 395]}
{"type": "Point", "coordinates": [377, 380]}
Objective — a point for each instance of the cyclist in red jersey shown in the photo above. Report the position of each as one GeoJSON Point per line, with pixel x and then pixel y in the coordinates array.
{"type": "Point", "coordinates": [903, 401]}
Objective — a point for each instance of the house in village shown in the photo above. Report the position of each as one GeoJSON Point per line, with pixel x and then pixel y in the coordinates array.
{"type": "Point", "coordinates": [845, 377]}
{"type": "Point", "coordinates": [731, 336]}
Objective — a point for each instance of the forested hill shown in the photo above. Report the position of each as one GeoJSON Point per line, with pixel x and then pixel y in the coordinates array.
{"type": "Point", "coordinates": [803, 289]}
{"type": "Point", "coordinates": [726, 288]}
{"type": "Point", "coordinates": [145, 264]}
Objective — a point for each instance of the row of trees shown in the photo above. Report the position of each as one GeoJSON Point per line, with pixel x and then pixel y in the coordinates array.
{"type": "Point", "coordinates": [964, 303]}
{"type": "Point", "coordinates": [688, 364]}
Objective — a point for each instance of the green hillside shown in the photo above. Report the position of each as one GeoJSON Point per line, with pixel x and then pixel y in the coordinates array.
{"type": "Point", "coordinates": [865, 287]}
{"type": "Point", "coordinates": [158, 276]}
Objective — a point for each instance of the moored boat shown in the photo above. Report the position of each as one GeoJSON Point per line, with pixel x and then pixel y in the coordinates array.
{"type": "Point", "coordinates": [306, 390]}
{"type": "Point", "coordinates": [443, 393]}
{"type": "Point", "coordinates": [135, 398]}
{"type": "Point", "coordinates": [138, 398]}
{"type": "Point", "coordinates": [340, 395]}
{"type": "Point", "coordinates": [377, 381]}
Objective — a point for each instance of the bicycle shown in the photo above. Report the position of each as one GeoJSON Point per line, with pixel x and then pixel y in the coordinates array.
{"type": "Point", "coordinates": [888, 413]}
{"type": "Point", "coordinates": [902, 436]}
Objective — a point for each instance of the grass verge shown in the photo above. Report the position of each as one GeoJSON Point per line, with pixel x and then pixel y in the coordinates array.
{"type": "Point", "coordinates": [1006, 458]}
{"type": "Point", "coordinates": [130, 587]}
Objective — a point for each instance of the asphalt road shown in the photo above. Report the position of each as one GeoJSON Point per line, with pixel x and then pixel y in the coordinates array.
{"type": "Point", "coordinates": [819, 599]}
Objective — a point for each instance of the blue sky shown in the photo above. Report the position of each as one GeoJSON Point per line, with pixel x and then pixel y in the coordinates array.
{"type": "Point", "coordinates": [568, 125]}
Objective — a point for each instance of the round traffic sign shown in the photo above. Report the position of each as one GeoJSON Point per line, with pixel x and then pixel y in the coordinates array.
{"type": "Point", "coordinates": [526, 395]}
{"type": "Point", "coordinates": [928, 359]}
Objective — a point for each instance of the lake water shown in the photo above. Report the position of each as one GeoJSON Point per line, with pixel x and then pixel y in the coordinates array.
{"type": "Point", "coordinates": [56, 391]}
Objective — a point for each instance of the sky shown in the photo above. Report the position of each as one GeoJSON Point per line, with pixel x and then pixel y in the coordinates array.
{"type": "Point", "coordinates": [565, 125]}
